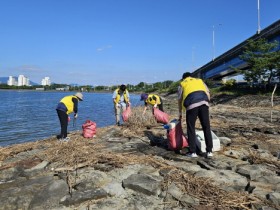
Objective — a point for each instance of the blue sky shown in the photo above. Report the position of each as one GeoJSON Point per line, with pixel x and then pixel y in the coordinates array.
{"type": "Point", "coordinates": [109, 42]}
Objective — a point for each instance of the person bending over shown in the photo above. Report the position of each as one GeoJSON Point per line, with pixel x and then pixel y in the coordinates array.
{"type": "Point", "coordinates": [66, 106]}
{"type": "Point", "coordinates": [153, 100]}
{"type": "Point", "coordinates": [194, 96]}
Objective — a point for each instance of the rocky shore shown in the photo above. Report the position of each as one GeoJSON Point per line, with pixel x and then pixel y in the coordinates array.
{"type": "Point", "coordinates": [129, 167]}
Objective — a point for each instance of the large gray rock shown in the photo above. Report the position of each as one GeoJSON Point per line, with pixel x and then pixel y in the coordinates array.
{"type": "Point", "coordinates": [228, 180]}
{"type": "Point", "coordinates": [253, 172]}
{"type": "Point", "coordinates": [190, 168]}
{"type": "Point", "coordinates": [11, 174]}
{"type": "Point", "coordinates": [114, 189]}
{"type": "Point", "coordinates": [181, 196]}
{"type": "Point", "coordinates": [142, 183]}
{"type": "Point", "coordinates": [270, 179]}
{"type": "Point", "coordinates": [50, 196]}
{"type": "Point", "coordinates": [274, 197]}
{"type": "Point", "coordinates": [40, 166]}
{"type": "Point", "coordinates": [78, 197]}
{"type": "Point", "coordinates": [20, 193]}
{"type": "Point", "coordinates": [89, 178]}
{"type": "Point", "coordinates": [225, 163]}
{"type": "Point", "coordinates": [261, 189]}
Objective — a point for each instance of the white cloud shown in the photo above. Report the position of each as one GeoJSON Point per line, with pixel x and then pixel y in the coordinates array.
{"type": "Point", "coordinates": [104, 48]}
{"type": "Point", "coordinates": [29, 69]}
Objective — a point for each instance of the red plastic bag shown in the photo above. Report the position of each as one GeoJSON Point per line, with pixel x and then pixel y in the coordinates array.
{"type": "Point", "coordinates": [126, 114]}
{"type": "Point", "coordinates": [161, 117]}
{"type": "Point", "coordinates": [89, 129]}
{"type": "Point", "coordinates": [176, 138]}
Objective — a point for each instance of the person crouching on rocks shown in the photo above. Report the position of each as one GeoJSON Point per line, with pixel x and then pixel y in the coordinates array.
{"type": "Point", "coordinates": [153, 100]}
{"type": "Point", "coordinates": [66, 106]}
{"type": "Point", "coordinates": [121, 102]}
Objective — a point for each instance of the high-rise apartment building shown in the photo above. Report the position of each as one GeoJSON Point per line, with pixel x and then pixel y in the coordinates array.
{"type": "Point", "coordinates": [12, 81]}
{"type": "Point", "coordinates": [23, 81]}
{"type": "Point", "coordinates": [46, 81]}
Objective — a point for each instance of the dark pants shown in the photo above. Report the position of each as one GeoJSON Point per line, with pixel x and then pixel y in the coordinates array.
{"type": "Point", "coordinates": [202, 112]}
{"type": "Point", "coordinates": [63, 118]}
{"type": "Point", "coordinates": [160, 106]}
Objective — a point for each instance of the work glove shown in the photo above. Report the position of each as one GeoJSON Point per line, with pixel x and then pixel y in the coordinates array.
{"type": "Point", "coordinates": [180, 115]}
{"type": "Point", "coordinates": [76, 115]}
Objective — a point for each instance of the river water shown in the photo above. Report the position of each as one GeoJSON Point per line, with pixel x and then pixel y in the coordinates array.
{"type": "Point", "coordinates": [28, 116]}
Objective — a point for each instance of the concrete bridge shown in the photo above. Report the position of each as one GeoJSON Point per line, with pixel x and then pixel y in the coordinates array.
{"type": "Point", "coordinates": [222, 65]}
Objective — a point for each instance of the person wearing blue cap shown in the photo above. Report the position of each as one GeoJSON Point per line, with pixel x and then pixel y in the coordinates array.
{"type": "Point", "coordinates": [153, 100]}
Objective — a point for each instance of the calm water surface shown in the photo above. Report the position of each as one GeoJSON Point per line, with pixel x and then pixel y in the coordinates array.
{"type": "Point", "coordinates": [30, 115]}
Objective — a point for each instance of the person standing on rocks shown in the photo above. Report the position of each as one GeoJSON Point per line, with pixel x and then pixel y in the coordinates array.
{"type": "Point", "coordinates": [121, 102]}
{"type": "Point", "coordinates": [151, 99]}
{"type": "Point", "coordinates": [66, 106]}
{"type": "Point", "coordinates": [194, 96]}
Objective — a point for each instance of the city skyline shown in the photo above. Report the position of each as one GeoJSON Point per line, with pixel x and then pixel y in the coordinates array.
{"type": "Point", "coordinates": [127, 41]}
{"type": "Point", "coordinates": [22, 80]}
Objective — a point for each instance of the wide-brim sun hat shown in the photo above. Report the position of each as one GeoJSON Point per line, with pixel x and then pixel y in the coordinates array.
{"type": "Point", "coordinates": [79, 96]}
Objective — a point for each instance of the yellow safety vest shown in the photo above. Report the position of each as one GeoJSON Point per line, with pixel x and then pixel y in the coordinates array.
{"type": "Point", "coordinates": [190, 85]}
{"type": "Point", "coordinates": [151, 101]}
{"type": "Point", "coordinates": [67, 101]}
{"type": "Point", "coordinates": [119, 96]}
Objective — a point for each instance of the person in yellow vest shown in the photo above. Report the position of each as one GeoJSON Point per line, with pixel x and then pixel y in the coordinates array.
{"type": "Point", "coordinates": [194, 96]}
{"type": "Point", "coordinates": [66, 106]}
{"type": "Point", "coordinates": [153, 100]}
{"type": "Point", "coordinates": [121, 101]}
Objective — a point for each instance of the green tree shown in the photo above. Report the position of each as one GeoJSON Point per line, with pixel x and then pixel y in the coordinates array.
{"type": "Point", "coordinates": [141, 85]}
{"type": "Point", "coordinates": [173, 88]}
{"type": "Point", "coordinates": [263, 59]}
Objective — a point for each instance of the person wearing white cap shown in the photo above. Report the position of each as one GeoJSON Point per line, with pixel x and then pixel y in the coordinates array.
{"type": "Point", "coordinates": [66, 106]}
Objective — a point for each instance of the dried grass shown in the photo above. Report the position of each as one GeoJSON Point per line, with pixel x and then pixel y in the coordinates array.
{"type": "Point", "coordinates": [80, 152]}
{"type": "Point", "coordinates": [138, 120]}
{"type": "Point", "coordinates": [209, 194]}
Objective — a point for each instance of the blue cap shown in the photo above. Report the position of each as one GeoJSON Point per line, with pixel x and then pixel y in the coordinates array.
{"type": "Point", "coordinates": [144, 96]}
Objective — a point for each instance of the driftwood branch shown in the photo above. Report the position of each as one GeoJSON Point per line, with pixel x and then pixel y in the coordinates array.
{"type": "Point", "coordinates": [81, 165]}
{"type": "Point", "coordinates": [272, 101]}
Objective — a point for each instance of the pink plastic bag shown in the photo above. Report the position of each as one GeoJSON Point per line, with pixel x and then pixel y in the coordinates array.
{"type": "Point", "coordinates": [89, 129]}
{"type": "Point", "coordinates": [126, 114]}
{"type": "Point", "coordinates": [161, 117]}
{"type": "Point", "coordinates": [176, 138]}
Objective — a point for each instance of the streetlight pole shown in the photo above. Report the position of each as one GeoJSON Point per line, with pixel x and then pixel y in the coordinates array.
{"type": "Point", "coordinates": [259, 27]}
{"type": "Point", "coordinates": [193, 64]}
{"type": "Point", "coordinates": [213, 41]}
